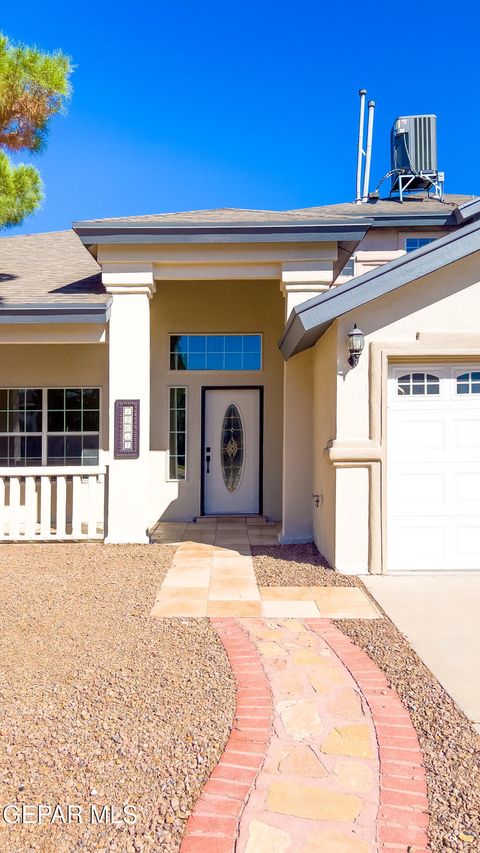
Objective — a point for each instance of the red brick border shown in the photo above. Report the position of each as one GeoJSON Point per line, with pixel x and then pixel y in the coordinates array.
{"type": "Point", "coordinates": [213, 824]}
{"type": "Point", "coordinates": [402, 822]}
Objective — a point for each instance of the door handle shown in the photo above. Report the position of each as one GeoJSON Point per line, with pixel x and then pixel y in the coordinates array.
{"type": "Point", "coordinates": [207, 460]}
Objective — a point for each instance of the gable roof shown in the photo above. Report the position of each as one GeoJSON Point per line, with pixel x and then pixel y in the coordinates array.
{"type": "Point", "coordinates": [309, 320]}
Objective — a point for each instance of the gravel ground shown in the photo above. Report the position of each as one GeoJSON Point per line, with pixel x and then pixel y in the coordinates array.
{"type": "Point", "coordinates": [450, 745]}
{"type": "Point", "coordinates": [99, 704]}
{"type": "Point", "coordinates": [295, 565]}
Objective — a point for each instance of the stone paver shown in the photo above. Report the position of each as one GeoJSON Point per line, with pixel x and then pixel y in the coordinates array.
{"type": "Point", "coordinates": [212, 575]}
{"type": "Point", "coordinates": [318, 789]}
{"type": "Point", "coordinates": [307, 770]}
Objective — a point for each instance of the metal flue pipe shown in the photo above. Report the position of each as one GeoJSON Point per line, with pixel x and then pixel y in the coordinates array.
{"type": "Point", "coordinates": [360, 152]}
{"type": "Point", "coordinates": [368, 155]}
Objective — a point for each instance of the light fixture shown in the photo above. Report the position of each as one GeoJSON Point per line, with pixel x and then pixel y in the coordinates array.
{"type": "Point", "coordinates": [356, 343]}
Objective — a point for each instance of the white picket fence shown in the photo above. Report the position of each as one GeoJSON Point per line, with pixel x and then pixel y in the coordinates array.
{"type": "Point", "coordinates": [45, 504]}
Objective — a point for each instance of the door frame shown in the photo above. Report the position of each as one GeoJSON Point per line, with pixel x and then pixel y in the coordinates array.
{"type": "Point", "coordinates": [260, 389]}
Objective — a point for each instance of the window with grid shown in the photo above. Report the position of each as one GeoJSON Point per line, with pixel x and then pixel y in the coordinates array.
{"type": "Point", "coordinates": [215, 352]}
{"type": "Point", "coordinates": [469, 383]}
{"type": "Point", "coordinates": [412, 243]}
{"type": "Point", "coordinates": [178, 434]}
{"type": "Point", "coordinates": [54, 426]}
{"type": "Point", "coordinates": [418, 384]}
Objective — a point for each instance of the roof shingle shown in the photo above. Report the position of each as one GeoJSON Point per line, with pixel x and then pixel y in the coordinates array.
{"type": "Point", "coordinates": [53, 267]}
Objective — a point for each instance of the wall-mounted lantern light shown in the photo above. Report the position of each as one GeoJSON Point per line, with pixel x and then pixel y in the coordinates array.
{"type": "Point", "coordinates": [356, 343]}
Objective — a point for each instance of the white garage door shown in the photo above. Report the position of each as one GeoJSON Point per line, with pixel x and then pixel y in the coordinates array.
{"type": "Point", "coordinates": [433, 467]}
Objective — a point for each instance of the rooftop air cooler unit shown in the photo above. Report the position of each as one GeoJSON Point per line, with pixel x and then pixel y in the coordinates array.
{"type": "Point", "coordinates": [414, 153]}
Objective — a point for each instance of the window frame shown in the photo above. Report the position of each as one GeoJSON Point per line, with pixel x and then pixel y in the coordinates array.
{"type": "Point", "coordinates": [44, 434]}
{"type": "Point", "coordinates": [425, 240]}
{"type": "Point", "coordinates": [176, 371]}
{"type": "Point", "coordinates": [435, 381]}
{"type": "Point", "coordinates": [353, 260]}
{"type": "Point", "coordinates": [458, 372]}
{"type": "Point", "coordinates": [170, 456]}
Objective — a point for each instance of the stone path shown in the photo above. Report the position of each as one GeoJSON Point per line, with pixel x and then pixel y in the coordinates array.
{"type": "Point", "coordinates": [318, 788]}
{"type": "Point", "coordinates": [212, 575]}
{"type": "Point", "coordinates": [322, 757]}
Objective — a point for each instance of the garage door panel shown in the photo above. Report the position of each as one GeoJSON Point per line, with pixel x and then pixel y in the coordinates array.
{"type": "Point", "coordinates": [415, 546]}
{"type": "Point", "coordinates": [414, 488]}
{"type": "Point", "coordinates": [467, 489]}
{"type": "Point", "coordinates": [433, 473]}
{"type": "Point", "coordinates": [466, 433]}
{"type": "Point", "coordinates": [466, 538]}
{"type": "Point", "coordinates": [416, 436]}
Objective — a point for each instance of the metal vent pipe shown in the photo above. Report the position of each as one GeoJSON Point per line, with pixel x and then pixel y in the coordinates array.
{"type": "Point", "coordinates": [360, 152]}
{"type": "Point", "coordinates": [368, 155]}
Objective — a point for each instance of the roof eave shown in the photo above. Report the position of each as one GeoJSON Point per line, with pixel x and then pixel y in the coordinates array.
{"type": "Point", "coordinates": [467, 211]}
{"type": "Point", "coordinates": [66, 313]}
{"type": "Point", "coordinates": [309, 320]}
{"type": "Point", "coordinates": [425, 220]}
{"type": "Point", "coordinates": [95, 234]}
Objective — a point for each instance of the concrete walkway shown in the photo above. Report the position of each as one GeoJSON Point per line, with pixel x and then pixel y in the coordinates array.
{"type": "Point", "coordinates": [212, 575]}
{"type": "Point", "coordinates": [439, 615]}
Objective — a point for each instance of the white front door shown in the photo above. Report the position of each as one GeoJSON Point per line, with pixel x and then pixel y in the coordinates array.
{"type": "Point", "coordinates": [433, 467]}
{"type": "Point", "coordinates": [232, 451]}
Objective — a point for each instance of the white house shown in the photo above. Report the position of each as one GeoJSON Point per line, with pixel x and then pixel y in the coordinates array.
{"type": "Point", "coordinates": [142, 378]}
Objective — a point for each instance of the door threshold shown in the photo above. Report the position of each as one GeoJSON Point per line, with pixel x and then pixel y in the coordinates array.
{"type": "Point", "coordinates": [240, 517]}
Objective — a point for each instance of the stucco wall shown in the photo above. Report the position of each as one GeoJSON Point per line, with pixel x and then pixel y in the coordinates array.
{"type": "Point", "coordinates": [222, 307]}
{"type": "Point", "coordinates": [324, 429]}
{"type": "Point", "coordinates": [443, 303]}
{"type": "Point", "coordinates": [50, 365]}
{"type": "Point", "coordinates": [297, 449]}
{"type": "Point", "coordinates": [433, 318]}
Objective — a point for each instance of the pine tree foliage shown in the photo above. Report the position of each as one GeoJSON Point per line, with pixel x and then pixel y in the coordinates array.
{"type": "Point", "coordinates": [34, 86]}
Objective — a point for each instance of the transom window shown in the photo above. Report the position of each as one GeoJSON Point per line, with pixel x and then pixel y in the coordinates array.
{"type": "Point", "coordinates": [412, 243]}
{"type": "Point", "coordinates": [418, 384]}
{"type": "Point", "coordinates": [215, 352]}
{"type": "Point", "coordinates": [49, 426]}
{"type": "Point", "coordinates": [469, 383]}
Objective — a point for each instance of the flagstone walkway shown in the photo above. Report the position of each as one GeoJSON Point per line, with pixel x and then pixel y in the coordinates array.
{"type": "Point", "coordinates": [212, 575]}
{"type": "Point", "coordinates": [322, 757]}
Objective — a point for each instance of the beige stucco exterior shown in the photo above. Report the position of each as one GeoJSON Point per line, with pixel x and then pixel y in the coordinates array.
{"type": "Point", "coordinates": [220, 306]}
{"type": "Point", "coordinates": [433, 319]}
{"type": "Point", "coordinates": [58, 365]}
{"type": "Point", "coordinates": [325, 441]}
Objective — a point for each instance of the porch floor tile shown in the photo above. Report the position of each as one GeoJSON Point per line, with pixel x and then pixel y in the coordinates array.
{"type": "Point", "coordinates": [212, 575]}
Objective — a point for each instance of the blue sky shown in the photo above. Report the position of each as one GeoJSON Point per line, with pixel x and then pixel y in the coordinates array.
{"type": "Point", "coordinates": [183, 105]}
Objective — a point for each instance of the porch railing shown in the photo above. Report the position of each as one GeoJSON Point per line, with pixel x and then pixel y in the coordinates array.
{"type": "Point", "coordinates": [44, 504]}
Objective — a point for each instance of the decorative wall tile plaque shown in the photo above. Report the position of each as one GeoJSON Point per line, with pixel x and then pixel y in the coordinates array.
{"type": "Point", "coordinates": [127, 421]}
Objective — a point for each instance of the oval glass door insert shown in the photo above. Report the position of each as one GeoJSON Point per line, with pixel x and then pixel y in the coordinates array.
{"type": "Point", "coordinates": [232, 448]}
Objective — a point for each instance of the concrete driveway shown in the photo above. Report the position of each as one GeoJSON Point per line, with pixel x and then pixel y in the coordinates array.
{"type": "Point", "coordinates": [440, 616]}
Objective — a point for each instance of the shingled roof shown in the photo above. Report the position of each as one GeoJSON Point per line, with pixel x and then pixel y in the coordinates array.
{"type": "Point", "coordinates": [48, 268]}
{"type": "Point", "coordinates": [336, 212]}
{"type": "Point", "coordinates": [56, 268]}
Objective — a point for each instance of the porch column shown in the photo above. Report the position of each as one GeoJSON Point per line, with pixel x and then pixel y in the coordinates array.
{"type": "Point", "coordinates": [129, 379]}
{"type": "Point", "coordinates": [302, 280]}
{"type": "Point", "coordinates": [297, 502]}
